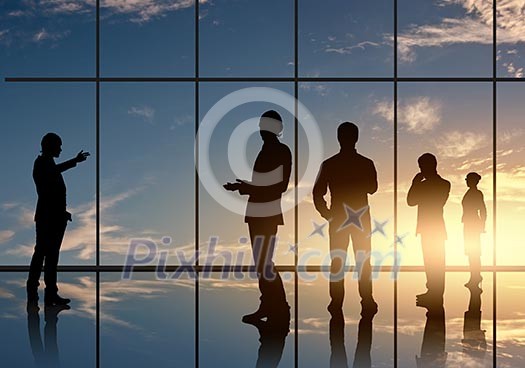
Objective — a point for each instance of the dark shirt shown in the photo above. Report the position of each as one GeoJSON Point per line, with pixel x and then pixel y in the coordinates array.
{"type": "Point", "coordinates": [430, 196]}
{"type": "Point", "coordinates": [350, 177]}
{"type": "Point", "coordinates": [50, 187]}
{"type": "Point", "coordinates": [270, 178]}
{"type": "Point", "coordinates": [474, 210]}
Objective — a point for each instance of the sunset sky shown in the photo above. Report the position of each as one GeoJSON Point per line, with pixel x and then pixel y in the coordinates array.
{"type": "Point", "coordinates": [147, 129]}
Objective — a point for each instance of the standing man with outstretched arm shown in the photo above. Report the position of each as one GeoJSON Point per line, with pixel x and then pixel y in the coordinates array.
{"type": "Point", "coordinates": [270, 177]}
{"type": "Point", "coordinates": [51, 218]}
{"type": "Point", "coordinates": [350, 177]}
{"type": "Point", "coordinates": [429, 192]}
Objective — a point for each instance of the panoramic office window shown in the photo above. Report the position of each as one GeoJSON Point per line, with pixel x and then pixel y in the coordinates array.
{"type": "Point", "coordinates": [167, 97]}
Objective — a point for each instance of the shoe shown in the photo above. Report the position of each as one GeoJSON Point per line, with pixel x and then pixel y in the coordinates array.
{"type": "Point", "coordinates": [256, 316]}
{"type": "Point", "coordinates": [55, 300]}
{"type": "Point", "coordinates": [51, 312]}
{"type": "Point", "coordinates": [429, 300]}
{"type": "Point", "coordinates": [335, 307]}
{"type": "Point", "coordinates": [368, 308]}
{"type": "Point", "coordinates": [473, 282]}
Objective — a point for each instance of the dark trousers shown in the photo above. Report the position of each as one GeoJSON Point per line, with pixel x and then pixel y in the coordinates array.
{"type": "Point", "coordinates": [434, 257]}
{"type": "Point", "coordinates": [263, 239]}
{"type": "Point", "coordinates": [49, 235]}
{"type": "Point", "coordinates": [362, 244]}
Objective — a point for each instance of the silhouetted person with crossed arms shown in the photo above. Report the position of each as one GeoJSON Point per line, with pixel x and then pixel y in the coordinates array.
{"type": "Point", "coordinates": [429, 192]}
{"type": "Point", "coordinates": [51, 218]}
{"type": "Point", "coordinates": [350, 177]}
{"type": "Point", "coordinates": [270, 177]}
{"type": "Point", "coordinates": [474, 219]}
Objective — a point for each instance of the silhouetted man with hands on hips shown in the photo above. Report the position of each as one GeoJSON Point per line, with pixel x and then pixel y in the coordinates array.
{"type": "Point", "coordinates": [51, 218]}
{"type": "Point", "coordinates": [429, 192]}
{"type": "Point", "coordinates": [270, 177]}
{"type": "Point", "coordinates": [350, 177]}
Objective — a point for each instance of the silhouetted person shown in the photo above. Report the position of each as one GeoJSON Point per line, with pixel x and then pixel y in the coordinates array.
{"type": "Point", "coordinates": [433, 354]}
{"type": "Point", "coordinates": [474, 219]}
{"type": "Point", "coordinates": [46, 356]}
{"type": "Point", "coordinates": [51, 218]}
{"type": "Point", "coordinates": [474, 340]}
{"type": "Point", "coordinates": [270, 177]}
{"type": "Point", "coordinates": [350, 177]}
{"type": "Point", "coordinates": [272, 336]}
{"type": "Point", "coordinates": [429, 192]}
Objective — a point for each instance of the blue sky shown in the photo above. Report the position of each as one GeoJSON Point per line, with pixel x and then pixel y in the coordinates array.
{"type": "Point", "coordinates": [146, 136]}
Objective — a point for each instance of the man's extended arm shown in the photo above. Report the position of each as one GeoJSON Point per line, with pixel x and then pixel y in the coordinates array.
{"type": "Point", "coordinates": [319, 191]}
{"type": "Point", "coordinates": [66, 165]}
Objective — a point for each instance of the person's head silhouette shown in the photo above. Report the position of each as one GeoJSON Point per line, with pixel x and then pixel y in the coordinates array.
{"type": "Point", "coordinates": [427, 164]}
{"type": "Point", "coordinates": [51, 145]}
{"type": "Point", "coordinates": [472, 179]}
{"type": "Point", "coordinates": [347, 135]}
{"type": "Point", "coordinates": [270, 125]}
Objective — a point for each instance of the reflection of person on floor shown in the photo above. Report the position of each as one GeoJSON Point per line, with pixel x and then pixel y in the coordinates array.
{"type": "Point", "coordinates": [474, 219]}
{"type": "Point", "coordinates": [433, 354]}
{"type": "Point", "coordinates": [271, 174]}
{"type": "Point", "coordinates": [272, 336]}
{"type": "Point", "coordinates": [362, 358]}
{"type": "Point", "coordinates": [51, 218]}
{"type": "Point", "coordinates": [350, 178]}
{"type": "Point", "coordinates": [47, 357]}
{"type": "Point", "coordinates": [474, 340]}
{"type": "Point", "coordinates": [429, 192]}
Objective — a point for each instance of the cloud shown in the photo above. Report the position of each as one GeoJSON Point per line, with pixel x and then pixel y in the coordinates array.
{"type": "Point", "coordinates": [6, 235]}
{"type": "Point", "coordinates": [144, 112]}
{"type": "Point", "coordinates": [44, 35]}
{"type": "Point", "coordinates": [345, 50]}
{"type": "Point", "coordinates": [320, 89]}
{"type": "Point", "coordinates": [456, 144]}
{"type": "Point", "coordinates": [474, 27]}
{"type": "Point", "coordinates": [512, 70]}
{"type": "Point", "coordinates": [417, 114]}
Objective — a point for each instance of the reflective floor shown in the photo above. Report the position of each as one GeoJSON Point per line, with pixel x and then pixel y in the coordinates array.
{"type": "Point", "coordinates": [150, 322]}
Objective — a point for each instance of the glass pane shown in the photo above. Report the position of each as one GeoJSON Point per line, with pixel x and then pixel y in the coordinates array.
{"type": "Point", "coordinates": [239, 38]}
{"type": "Point", "coordinates": [29, 112]}
{"type": "Point", "coordinates": [346, 38]}
{"type": "Point", "coordinates": [147, 174]}
{"type": "Point", "coordinates": [456, 334]}
{"type": "Point", "coordinates": [511, 42]}
{"type": "Point", "coordinates": [51, 336]}
{"type": "Point", "coordinates": [147, 38]}
{"type": "Point", "coordinates": [453, 121]}
{"type": "Point", "coordinates": [225, 341]}
{"type": "Point", "coordinates": [445, 38]}
{"type": "Point", "coordinates": [366, 341]}
{"type": "Point", "coordinates": [370, 107]}
{"type": "Point", "coordinates": [510, 326]}
{"type": "Point", "coordinates": [147, 322]}
{"type": "Point", "coordinates": [37, 38]}
{"type": "Point", "coordinates": [233, 145]}
{"type": "Point", "coordinates": [510, 174]}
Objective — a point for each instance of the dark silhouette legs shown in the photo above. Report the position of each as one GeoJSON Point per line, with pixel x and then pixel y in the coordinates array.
{"type": "Point", "coordinates": [473, 251]}
{"type": "Point", "coordinates": [49, 237]}
{"type": "Point", "coordinates": [338, 249]}
{"type": "Point", "coordinates": [434, 258]}
{"type": "Point", "coordinates": [273, 297]}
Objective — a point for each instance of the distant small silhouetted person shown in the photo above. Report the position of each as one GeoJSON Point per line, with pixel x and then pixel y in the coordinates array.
{"type": "Point", "coordinates": [350, 178]}
{"type": "Point", "coordinates": [474, 219]}
{"type": "Point", "coordinates": [474, 340]}
{"type": "Point", "coordinates": [433, 354]}
{"type": "Point", "coordinates": [429, 192]}
{"type": "Point", "coordinates": [270, 178]}
{"type": "Point", "coordinates": [51, 218]}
